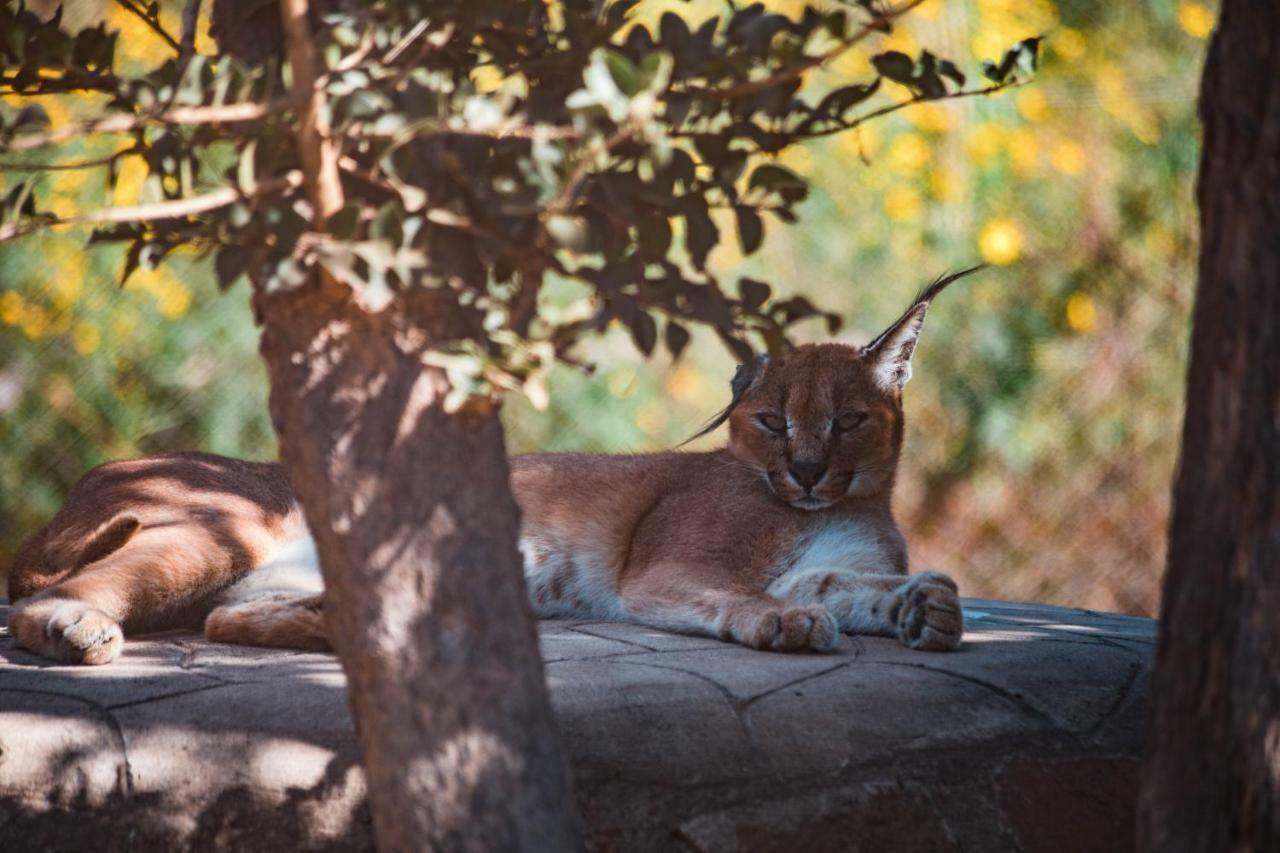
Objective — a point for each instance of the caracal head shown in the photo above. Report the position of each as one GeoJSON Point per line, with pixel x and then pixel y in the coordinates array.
{"type": "Point", "coordinates": [823, 422]}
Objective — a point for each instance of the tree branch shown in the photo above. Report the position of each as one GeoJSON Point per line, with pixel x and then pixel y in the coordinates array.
{"type": "Point", "coordinates": [128, 122]}
{"type": "Point", "coordinates": [9, 165]}
{"type": "Point", "coordinates": [879, 23]}
{"type": "Point", "coordinates": [174, 209]}
{"type": "Point", "coordinates": [893, 108]}
{"type": "Point", "coordinates": [155, 27]}
{"type": "Point", "coordinates": [316, 150]}
{"type": "Point", "coordinates": [190, 23]}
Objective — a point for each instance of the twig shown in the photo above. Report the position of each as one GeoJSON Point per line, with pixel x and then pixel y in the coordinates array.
{"type": "Point", "coordinates": [175, 209]}
{"type": "Point", "coordinates": [579, 175]}
{"type": "Point", "coordinates": [316, 149]}
{"type": "Point", "coordinates": [190, 22]}
{"type": "Point", "coordinates": [155, 27]}
{"type": "Point", "coordinates": [750, 87]}
{"type": "Point", "coordinates": [893, 108]}
{"type": "Point", "coordinates": [8, 165]}
{"type": "Point", "coordinates": [128, 122]}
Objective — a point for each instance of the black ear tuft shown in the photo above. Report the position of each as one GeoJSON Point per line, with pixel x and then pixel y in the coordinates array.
{"type": "Point", "coordinates": [890, 352]}
{"type": "Point", "coordinates": [743, 378]}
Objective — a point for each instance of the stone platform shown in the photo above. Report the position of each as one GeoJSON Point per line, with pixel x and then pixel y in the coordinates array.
{"type": "Point", "coordinates": [1027, 738]}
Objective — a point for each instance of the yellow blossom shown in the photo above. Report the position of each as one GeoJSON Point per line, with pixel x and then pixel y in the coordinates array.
{"type": "Point", "coordinates": [1068, 157]}
{"type": "Point", "coordinates": [85, 338]}
{"type": "Point", "coordinates": [1082, 314]}
{"type": "Point", "coordinates": [622, 383]}
{"type": "Point", "coordinates": [1024, 151]}
{"type": "Point", "coordinates": [12, 307]}
{"type": "Point", "coordinates": [929, 117]}
{"type": "Point", "coordinates": [1000, 242]}
{"type": "Point", "coordinates": [1068, 43]}
{"type": "Point", "coordinates": [685, 383]}
{"type": "Point", "coordinates": [1195, 19]}
{"type": "Point", "coordinates": [173, 300]}
{"type": "Point", "coordinates": [1032, 105]}
{"type": "Point", "coordinates": [908, 152]}
{"type": "Point", "coordinates": [35, 322]}
{"type": "Point", "coordinates": [652, 418]}
{"type": "Point", "coordinates": [902, 203]}
{"type": "Point", "coordinates": [944, 184]}
{"type": "Point", "coordinates": [984, 142]}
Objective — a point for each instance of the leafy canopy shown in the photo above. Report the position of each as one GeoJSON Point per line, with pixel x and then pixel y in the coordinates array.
{"type": "Point", "coordinates": [477, 148]}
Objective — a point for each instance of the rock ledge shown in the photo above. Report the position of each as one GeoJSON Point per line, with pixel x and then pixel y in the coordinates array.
{"type": "Point", "coordinates": [1027, 738]}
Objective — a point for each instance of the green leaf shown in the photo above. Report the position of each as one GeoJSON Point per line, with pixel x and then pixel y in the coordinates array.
{"type": "Point", "coordinates": [750, 228]}
{"type": "Point", "coordinates": [781, 180]}
{"type": "Point", "coordinates": [644, 331]}
{"type": "Point", "coordinates": [676, 337]}
{"type": "Point", "coordinates": [895, 65]}
{"type": "Point", "coordinates": [752, 293]}
{"type": "Point", "coordinates": [701, 234]}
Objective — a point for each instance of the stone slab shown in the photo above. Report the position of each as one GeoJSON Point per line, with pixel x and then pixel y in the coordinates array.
{"type": "Point", "coordinates": [676, 742]}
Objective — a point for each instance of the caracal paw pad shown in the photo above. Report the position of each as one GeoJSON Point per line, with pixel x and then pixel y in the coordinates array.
{"type": "Point", "coordinates": [928, 613]}
{"type": "Point", "coordinates": [789, 629]}
{"type": "Point", "coordinates": [78, 633]}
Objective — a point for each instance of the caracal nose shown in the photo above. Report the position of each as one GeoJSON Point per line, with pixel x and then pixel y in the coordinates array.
{"type": "Point", "coordinates": [807, 474]}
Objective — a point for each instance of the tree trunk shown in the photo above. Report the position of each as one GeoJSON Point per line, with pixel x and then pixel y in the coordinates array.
{"type": "Point", "coordinates": [416, 527]}
{"type": "Point", "coordinates": [1212, 772]}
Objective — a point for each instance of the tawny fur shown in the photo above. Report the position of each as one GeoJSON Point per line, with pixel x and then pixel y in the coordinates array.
{"type": "Point", "coordinates": [780, 541]}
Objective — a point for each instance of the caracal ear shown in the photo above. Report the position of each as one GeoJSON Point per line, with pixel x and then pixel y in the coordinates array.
{"type": "Point", "coordinates": [890, 352]}
{"type": "Point", "coordinates": [743, 378]}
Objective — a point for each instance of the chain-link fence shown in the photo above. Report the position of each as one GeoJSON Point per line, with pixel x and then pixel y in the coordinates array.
{"type": "Point", "coordinates": [1045, 410]}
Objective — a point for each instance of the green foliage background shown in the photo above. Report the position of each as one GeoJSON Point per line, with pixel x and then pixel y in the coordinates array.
{"type": "Point", "coordinates": [1046, 405]}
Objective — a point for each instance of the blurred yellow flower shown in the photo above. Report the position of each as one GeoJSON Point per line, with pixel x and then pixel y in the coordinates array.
{"type": "Point", "coordinates": [1032, 105]}
{"type": "Point", "coordinates": [902, 203]}
{"type": "Point", "coordinates": [34, 322]}
{"type": "Point", "coordinates": [1195, 19]}
{"type": "Point", "coordinates": [652, 418]}
{"type": "Point", "coordinates": [1082, 314]}
{"type": "Point", "coordinates": [1068, 43]}
{"type": "Point", "coordinates": [622, 382]}
{"type": "Point", "coordinates": [85, 338]}
{"type": "Point", "coordinates": [1000, 242]}
{"type": "Point", "coordinates": [486, 78]}
{"type": "Point", "coordinates": [908, 152]}
{"type": "Point", "coordinates": [1067, 157]}
{"type": "Point", "coordinates": [984, 142]}
{"type": "Point", "coordinates": [861, 141]}
{"type": "Point", "coordinates": [12, 307]}
{"type": "Point", "coordinates": [138, 43]}
{"type": "Point", "coordinates": [944, 184]}
{"type": "Point", "coordinates": [685, 383]}
{"type": "Point", "coordinates": [173, 300]}
{"type": "Point", "coordinates": [798, 159]}
{"type": "Point", "coordinates": [929, 117]}
{"type": "Point", "coordinates": [122, 325]}
{"type": "Point", "coordinates": [133, 171]}
{"type": "Point", "coordinates": [1024, 151]}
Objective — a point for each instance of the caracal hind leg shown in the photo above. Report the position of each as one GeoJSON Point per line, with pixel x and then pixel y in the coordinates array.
{"type": "Point", "coordinates": [756, 620]}
{"type": "Point", "coordinates": [922, 610]}
{"type": "Point", "coordinates": [274, 620]}
{"type": "Point", "coordinates": [152, 582]}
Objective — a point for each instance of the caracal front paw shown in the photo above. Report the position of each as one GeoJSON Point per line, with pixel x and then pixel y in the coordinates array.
{"type": "Point", "coordinates": [783, 628]}
{"type": "Point", "coordinates": [927, 613]}
{"type": "Point", "coordinates": [67, 631]}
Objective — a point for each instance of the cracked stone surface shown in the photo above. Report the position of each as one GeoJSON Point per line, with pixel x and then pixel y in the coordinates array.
{"type": "Point", "coordinates": [1026, 739]}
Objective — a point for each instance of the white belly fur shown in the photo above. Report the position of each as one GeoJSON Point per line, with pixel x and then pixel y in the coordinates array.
{"type": "Point", "coordinates": [839, 546]}
{"type": "Point", "coordinates": [562, 583]}
{"type": "Point", "coordinates": [294, 569]}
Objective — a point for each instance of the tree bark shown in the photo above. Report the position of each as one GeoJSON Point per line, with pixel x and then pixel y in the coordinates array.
{"type": "Point", "coordinates": [1212, 771]}
{"type": "Point", "coordinates": [416, 527]}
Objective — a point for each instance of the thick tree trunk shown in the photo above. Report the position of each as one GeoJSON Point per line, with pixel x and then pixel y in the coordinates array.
{"type": "Point", "coordinates": [416, 527]}
{"type": "Point", "coordinates": [1212, 774]}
